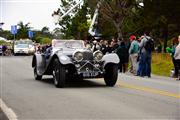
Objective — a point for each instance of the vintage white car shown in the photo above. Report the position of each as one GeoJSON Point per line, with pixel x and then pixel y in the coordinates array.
{"type": "Point", "coordinates": [67, 59]}
{"type": "Point", "coordinates": [24, 47]}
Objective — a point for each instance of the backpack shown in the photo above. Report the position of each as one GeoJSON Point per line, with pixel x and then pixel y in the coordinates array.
{"type": "Point", "coordinates": [149, 45]}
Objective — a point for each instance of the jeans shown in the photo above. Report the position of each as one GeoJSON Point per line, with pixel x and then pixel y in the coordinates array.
{"type": "Point", "coordinates": [144, 68]}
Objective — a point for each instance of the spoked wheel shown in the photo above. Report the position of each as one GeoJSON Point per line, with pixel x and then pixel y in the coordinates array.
{"type": "Point", "coordinates": [36, 76]}
{"type": "Point", "coordinates": [59, 74]}
{"type": "Point", "coordinates": [111, 75]}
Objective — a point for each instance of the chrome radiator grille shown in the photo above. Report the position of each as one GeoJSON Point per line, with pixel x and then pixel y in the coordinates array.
{"type": "Point", "coordinates": [87, 55]}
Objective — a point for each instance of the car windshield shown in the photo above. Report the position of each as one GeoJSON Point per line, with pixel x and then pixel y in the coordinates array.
{"type": "Point", "coordinates": [22, 46]}
{"type": "Point", "coordinates": [68, 44]}
{"type": "Point", "coordinates": [23, 42]}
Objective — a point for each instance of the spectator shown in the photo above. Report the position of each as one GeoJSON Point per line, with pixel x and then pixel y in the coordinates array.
{"type": "Point", "coordinates": [177, 56]}
{"type": "Point", "coordinates": [122, 52]}
{"type": "Point", "coordinates": [114, 45]}
{"type": "Point", "coordinates": [172, 50]}
{"type": "Point", "coordinates": [145, 57]}
{"type": "Point", "coordinates": [95, 46]}
{"type": "Point", "coordinates": [4, 48]}
{"type": "Point", "coordinates": [133, 54]}
{"type": "Point", "coordinates": [102, 46]}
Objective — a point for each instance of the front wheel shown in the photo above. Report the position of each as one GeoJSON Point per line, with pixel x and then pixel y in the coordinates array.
{"type": "Point", "coordinates": [111, 75]}
{"type": "Point", "coordinates": [59, 74]}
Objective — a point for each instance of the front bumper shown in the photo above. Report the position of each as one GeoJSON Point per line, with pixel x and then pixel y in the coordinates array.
{"type": "Point", "coordinates": [21, 52]}
{"type": "Point", "coordinates": [90, 69]}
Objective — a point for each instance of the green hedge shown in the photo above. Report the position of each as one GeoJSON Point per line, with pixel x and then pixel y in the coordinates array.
{"type": "Point", "coordinates": [43, 40]}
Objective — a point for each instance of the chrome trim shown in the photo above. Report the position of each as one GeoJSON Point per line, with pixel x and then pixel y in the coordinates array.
{"type": "Point", "coordinates": [88, 62]}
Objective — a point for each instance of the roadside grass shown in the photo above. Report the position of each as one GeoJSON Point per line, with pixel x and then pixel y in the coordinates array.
{"type": "Point", "coordinates": [161, 64]}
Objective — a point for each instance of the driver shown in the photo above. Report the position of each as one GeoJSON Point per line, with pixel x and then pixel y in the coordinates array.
{"type": "Point", "coordinates": [48, 51]}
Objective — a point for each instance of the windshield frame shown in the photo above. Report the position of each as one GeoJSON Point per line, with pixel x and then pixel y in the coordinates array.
{"type": "Point", "coordinates": [70, 44]}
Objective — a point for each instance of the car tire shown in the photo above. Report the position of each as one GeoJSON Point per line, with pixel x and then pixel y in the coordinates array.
{"type": "Point", "coordinates": [36, 76]}
{"type": "Point", "coordinates": [111, 75]}
{"type": "Point", "coordinates": [59, 74]}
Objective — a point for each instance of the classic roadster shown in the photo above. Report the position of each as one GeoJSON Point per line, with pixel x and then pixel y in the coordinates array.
{"type": "Point", "coordinates": [67, 59]}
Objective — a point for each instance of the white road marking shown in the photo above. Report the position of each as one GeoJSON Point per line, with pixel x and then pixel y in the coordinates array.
{"type": "Point", "coordinates": [7, 111]}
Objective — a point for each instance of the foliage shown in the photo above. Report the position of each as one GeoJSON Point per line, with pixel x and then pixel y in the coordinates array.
{"type": "Point", "coordinates": [5, 43]}
{"type": "Point", "coordinates": [57, 34]}
{"type": "Point", "coordinates": [2, 42]}
{"type": "Point", "coordinates": [79, 26]}
{"type": "Point", "coordinates": [43, 40]}
{"type": "Point", "coordinates": [117, 11]}
{"type": "Point", "coordinates": [45, 32]}
{"type": "Point", "coordinates": [6, 34]}
{"type": "Point", "coordinates": [73, 25]}
{"type": "Point", "coordinates": [161, 64]}
{"type": "Point", "coordinates": [22, 31]}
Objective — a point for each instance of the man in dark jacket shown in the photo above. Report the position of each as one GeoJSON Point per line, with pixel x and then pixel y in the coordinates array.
{"type": "Point", "coordinates": [4, 48]}
{"type": "Point", "coordinates": [122, 52]}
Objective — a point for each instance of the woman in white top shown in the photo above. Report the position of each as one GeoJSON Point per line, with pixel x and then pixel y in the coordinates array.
{"type": "Point", "coordinates": [177, 56]}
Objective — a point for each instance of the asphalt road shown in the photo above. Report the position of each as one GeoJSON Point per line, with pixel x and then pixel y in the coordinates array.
{"type": "Point", "coordinates": [132, 97]}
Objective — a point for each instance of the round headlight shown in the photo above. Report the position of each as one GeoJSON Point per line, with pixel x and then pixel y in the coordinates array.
{"type": "Point", "coordinates": [98, 55]}
{"type": "Point", "coordinates": [78, 56]}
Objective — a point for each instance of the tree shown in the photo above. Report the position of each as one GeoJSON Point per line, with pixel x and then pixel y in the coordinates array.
{"type": "Point", "coordinates": [45, 30]}
{"type": "Point", "coordinates": [66, 21]}
{"type": "Point", "coordinates": [22, 31]}
{"type": "Point", "coordinates": [74, 25]}
{"type": "Point", "coordinates": [6, 34]}
{"type": "Point", "coordinates": [79, 26]}
{"type": "Point", "coordinates": [57, 33]}
{"type": "Point", "coordinates": [116, 12]}
{"type": "Point", "coordinates": [161, 16]}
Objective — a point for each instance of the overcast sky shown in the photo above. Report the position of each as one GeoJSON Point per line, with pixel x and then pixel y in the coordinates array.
{"type": "Point", "coordinates": [37, 12]}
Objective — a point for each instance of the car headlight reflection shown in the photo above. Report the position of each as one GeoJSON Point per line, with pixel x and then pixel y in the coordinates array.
{"type": "Point", "coordinates": [98, 55]}
{"type": "Point", "coordinates": [78, 56]}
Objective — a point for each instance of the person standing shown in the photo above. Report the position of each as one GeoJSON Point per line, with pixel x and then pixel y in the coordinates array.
{"type": "Point", "coordinates": [122, 53]}
{"type": "Point", "coordinates": [133, 54]}
{"type": "Point", "coordinates": [146, 48]}
{"type": "Point", "coordinates": [4, 48]}
{"type": "Point", "coordinates": [171, 50]}
{"type": "Point", "coordinates": [177, 56]}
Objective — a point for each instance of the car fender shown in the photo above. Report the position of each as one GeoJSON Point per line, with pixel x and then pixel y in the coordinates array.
{"type": "Point", "coordinates": [39, 62]}
{"type": "Point", "coordinates": [64, 59]}
{"type": "Point", "coordinates": [110, 58]}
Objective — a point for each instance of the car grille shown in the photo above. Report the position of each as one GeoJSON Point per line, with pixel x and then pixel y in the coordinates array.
{"type": "Point", "coordinates": [87, 55]}
{"type": "Point", "coordinates": [88, 67]}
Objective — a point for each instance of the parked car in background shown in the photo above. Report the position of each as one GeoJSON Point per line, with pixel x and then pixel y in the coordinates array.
{"type": "Point", "coordinates": [67, 59]}
{"type": "Point", "coordinates": [24, 47]}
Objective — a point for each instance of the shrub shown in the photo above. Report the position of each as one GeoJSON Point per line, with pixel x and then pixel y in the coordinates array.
{"type": "Point", "coordinates": [161, 64]}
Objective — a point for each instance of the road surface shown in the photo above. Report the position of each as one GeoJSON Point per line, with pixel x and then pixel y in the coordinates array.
{"type": "Point", "coordinates": [132, 97]}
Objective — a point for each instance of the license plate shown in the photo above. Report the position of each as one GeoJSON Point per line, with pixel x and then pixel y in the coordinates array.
{"type": "Point", "coordinates": [90, 74]}
{"type": "Point", "coordinates": [21, 51]}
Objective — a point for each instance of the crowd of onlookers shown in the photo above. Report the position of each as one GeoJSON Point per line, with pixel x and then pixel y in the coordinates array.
{"type": "Point", "coordinates": [137, 52]}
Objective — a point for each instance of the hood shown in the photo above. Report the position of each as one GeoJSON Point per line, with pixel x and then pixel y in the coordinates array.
{"type": "Point", "coordinates": [67, 51]}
